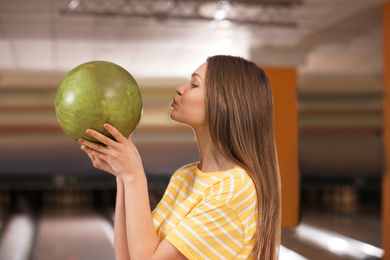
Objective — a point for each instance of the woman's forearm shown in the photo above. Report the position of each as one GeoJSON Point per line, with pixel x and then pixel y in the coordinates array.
{"type": "Point", "coordinates": [120, 234]}
{"type": "Point", "coordinates": [141, 235]}
{"type": "Point", "coordinates": [132, 211]}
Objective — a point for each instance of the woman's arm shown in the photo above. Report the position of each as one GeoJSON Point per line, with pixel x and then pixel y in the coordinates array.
{"type": "Point", "coordinates": [120, 237]}
{"type": "Point", "coordinates": [141, 235]}
{"type": "Point", "coordinates": [123, 159]}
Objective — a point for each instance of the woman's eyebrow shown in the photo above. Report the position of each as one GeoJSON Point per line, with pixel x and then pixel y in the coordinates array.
{"type": "Point", "coordinates": [195, 74]}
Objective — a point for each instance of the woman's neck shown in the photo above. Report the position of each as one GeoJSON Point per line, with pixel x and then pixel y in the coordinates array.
{"type": "Point", "coordinates": [211, 160]}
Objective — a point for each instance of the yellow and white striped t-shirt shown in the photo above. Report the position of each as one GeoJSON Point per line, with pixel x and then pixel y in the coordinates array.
{"type": "Point", "coordinates": [209, 215]}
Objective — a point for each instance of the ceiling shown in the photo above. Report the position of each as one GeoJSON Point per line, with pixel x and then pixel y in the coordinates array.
{"type": "Point", "coordinates": [329, 37]}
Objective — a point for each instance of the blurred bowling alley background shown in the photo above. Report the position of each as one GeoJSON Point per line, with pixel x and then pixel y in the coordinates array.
{"type": "Point", "coordinates": [329, 65]}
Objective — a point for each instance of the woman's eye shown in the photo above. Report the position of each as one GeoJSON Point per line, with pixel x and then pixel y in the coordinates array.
{"type": "Point", "coordinates": [193, 85]}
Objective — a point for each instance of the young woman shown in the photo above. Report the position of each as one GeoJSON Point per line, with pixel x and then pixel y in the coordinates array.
{"type": "Point", "coordinates": [226, 206]}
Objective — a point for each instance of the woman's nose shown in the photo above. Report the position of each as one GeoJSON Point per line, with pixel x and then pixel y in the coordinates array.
{"type": "Point", "coordinates": [180, 90]}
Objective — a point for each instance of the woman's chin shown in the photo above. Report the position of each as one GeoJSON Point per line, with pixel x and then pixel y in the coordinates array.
{"type": "Point", "coordinates": [173, 117]}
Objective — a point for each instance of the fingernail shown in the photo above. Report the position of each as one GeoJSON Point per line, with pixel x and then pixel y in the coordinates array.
{"type": "Point", "coordinates": [81, 140]}
{"type": "Point", "coordinates": [82, 147]}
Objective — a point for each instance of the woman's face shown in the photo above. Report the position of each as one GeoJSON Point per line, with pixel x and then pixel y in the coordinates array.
{"type": "Point", "coordinates": [189, 105]}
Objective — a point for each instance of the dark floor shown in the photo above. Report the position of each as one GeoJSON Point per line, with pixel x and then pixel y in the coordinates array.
{"type": "Point", "coordinates": [338, 227]}
{"type": "Point", "coordinates": [338, 221]}
{"type": "Point", "coordinates": [69, 224]}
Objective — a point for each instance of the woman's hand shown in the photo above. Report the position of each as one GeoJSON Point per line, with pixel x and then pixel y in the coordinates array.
{"type": "Point", "coordinates": [119, 157]}
{"type": "Point", "coordinates": [99, 163]}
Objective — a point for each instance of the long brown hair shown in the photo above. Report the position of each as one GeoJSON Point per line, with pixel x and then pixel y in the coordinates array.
{"type": "Point", "coordinates": [240, 112]}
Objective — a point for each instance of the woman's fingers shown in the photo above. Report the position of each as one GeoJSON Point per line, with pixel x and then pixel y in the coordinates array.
{"type": "Point", "coordinates": [93, 150]}
{"type": "Point", "coordinates": [118, 157]}
{"type": "Point", "coordinates": [92, 145]}
{"type": "Point", "coordinates": [97, 162]}
{"type": "Point", "coordinates": [102, 138]}
{"type": "Point", "coordinates": [92, 157]}
{"type": "Point", "coordinates": [115, 133]}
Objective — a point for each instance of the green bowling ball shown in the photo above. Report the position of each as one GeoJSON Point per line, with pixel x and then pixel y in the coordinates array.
{"type": "Point", "coordinates": [95, 93]}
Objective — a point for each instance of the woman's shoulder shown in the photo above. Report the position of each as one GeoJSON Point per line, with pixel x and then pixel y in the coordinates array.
{"type": "Point", "coordinates": [238, 178]}
{"type": "Point", "coordinates": [234, 183]}
{"type": "Point", "coordinates": [185, 169]}
{"type": "Point", "coordinates": [236, 189]}
{"type": "Point", "coordinates": [240, 175]}
{"type": "Point", "coordinates": [188, 167]}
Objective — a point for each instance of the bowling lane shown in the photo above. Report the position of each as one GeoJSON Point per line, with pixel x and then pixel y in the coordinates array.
{"type": "Point", "coordinates": [324, 235]}
{"type": "Point", "coordinates": [56, 224]}
{"type": "Point", "coordinates": [17, 239]}
{"type": "Point", "coordinates": [70, 227]}
{"type": "Point", "coordinates": [87, 237]}
{"type": "Point", "coordinates": [71, 223]}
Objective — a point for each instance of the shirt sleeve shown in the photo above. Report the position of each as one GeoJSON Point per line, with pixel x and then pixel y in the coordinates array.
{"type": "Point", "coordinates": [211, 230]}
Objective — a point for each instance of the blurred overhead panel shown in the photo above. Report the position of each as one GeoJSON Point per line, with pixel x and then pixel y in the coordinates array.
{"type": "Point", "coordinates": [248, 12]}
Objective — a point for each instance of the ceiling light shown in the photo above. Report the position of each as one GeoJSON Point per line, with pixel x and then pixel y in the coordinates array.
{"type": "Point", "coordinates": [262, 12]}
{"type": "Point", "coordinates": [73, 4]}
{"type": "Point", "coordinates": [221, 13]}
